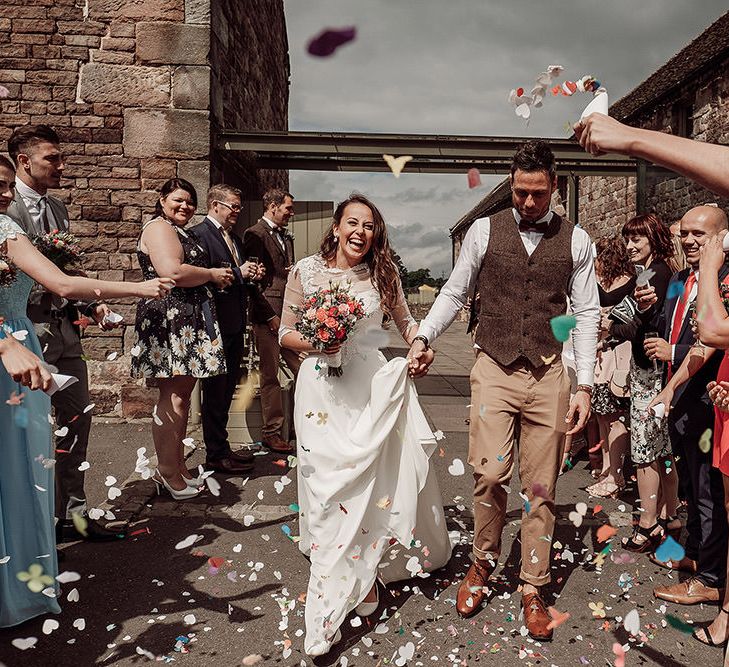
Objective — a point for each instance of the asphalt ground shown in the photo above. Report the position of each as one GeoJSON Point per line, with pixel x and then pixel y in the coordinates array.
{"type": "Point", "coordinates": [222, 578]}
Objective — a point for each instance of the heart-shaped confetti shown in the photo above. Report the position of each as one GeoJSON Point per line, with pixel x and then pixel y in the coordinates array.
{"type": "Point", "coordinates": [562, 325]}
{"type": "Point", "coordinates": [49, 625]}
{"type": "Point", "coordinates": [705, 441]}
{"type": "Point", "coordinates": [23, 644]}
{"type": "Point", "coordinates": [80, 624]}
{"type": "Point", "coordinates": [73, 595]}
{"type": "Point", "coordinates": [84, 466]}
{"type": "Point", "coordinates": [396, 164]}
{"type": "Point", "coordinates": [456, 468]}
{"type": "Point", "coordinates": [670, 550]}
{"type": "Point", "coordinates": [631, 622]}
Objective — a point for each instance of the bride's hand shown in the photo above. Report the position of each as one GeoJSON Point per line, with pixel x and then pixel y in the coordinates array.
{"type": "Point", "coordinates": [333, 348]}
{"type": "Point", "coordinates": [419, 363]}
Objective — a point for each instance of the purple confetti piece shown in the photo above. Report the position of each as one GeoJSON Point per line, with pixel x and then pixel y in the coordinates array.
{"type": "Point", "coordinates": [329, 40]}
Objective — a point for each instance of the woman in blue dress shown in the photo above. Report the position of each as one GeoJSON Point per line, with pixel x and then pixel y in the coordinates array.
{"type": "Point", "coordinates": [28, 566]}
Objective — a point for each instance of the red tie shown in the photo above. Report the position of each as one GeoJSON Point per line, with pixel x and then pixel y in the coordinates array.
{"type": "Point", "coordinates": [681, 307]}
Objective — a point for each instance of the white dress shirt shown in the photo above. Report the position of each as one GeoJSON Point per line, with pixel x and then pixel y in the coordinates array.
{"type": "Point", "coordinates": [582, 290]}
{"type": "Point", "coordinates": [275, 228]}
{"type": "Point", "coordinates": [228, 240]}
{"type": "Point", "coordinates": [32, 201]}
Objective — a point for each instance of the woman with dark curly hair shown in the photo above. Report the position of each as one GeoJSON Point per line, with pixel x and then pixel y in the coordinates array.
{"type": "Point", "coordinates": [610, 399]}
{"type": "Point", "coordinates": [370, 507]}
{"type": "Point", "coordinates": [650, 248]}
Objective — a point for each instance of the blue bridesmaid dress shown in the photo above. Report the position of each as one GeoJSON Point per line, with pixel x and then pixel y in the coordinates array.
{"type": "Point", "coordinates": [27, 534]}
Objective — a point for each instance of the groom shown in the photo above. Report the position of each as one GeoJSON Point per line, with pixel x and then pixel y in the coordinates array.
{"type": "Point", "coordinates": [523, 263]}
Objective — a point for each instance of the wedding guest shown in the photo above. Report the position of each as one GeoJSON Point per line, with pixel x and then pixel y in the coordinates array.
{"type": "Point", "coordinates": [27, 534]}
{"type": "Point", "coordinates": [678, 262]}
{"type": "Point", "coordinates": [611, 397]}
{"type": "Point", "coordinates": [707, 164]}
{"type": "Point", "coordinates": [649, 248]}
{"type": "Point", "coordinates": [713, 330]}
{"type": "Point", "coordinates": [691, 415]}
{"type": "Point", "coordinates": [525, 260]}
{"type": "Point", "coordinates": [370, 507]}
{"type": "Point", "coordinates": [268, 241]}
{"type": "Point", "coordinates": [177, 339]}
{"type": "Point", "coordinates": [224, 248]}
{"type": "Point", "coordinates": [36, 152]}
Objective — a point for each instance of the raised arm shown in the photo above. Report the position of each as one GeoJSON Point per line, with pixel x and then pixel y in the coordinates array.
{"type": "Point", "coordinates": [711, 316]}
{"type": "Point", "coordinates": [707, 164]}
{"type": "Point", "coordinates": [29, 260]}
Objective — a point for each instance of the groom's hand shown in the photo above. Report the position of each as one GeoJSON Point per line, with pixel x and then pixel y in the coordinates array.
{"type": "Point", "coordinates": [580, 408]}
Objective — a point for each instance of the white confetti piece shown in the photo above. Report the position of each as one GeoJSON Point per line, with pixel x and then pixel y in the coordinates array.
{"type": "Point", "coordinates": [456, 468]}
{"type": "Point", "coordinates": [188, 541]}
{"type": "Point", "coordinates": [49, 625]}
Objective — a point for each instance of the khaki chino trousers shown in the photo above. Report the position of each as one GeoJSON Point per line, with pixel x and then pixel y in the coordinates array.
{"type": "Point", "coordinates": [539, 398]}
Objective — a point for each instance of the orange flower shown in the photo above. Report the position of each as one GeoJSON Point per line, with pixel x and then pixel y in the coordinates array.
{"type": "Point", "coordinates": [323, 335]}
{"type": "Point", "coordinates": [321, 314]}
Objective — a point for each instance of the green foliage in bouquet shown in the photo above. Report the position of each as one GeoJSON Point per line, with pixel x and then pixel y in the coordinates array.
{"type": "Point", "coordinates": [61, 248]}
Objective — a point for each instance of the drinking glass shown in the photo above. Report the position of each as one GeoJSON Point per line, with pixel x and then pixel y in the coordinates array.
{"type": "Point", "coordinates": [653, 334]}
{"type": "Point", "coordinates": [250, 281]}
{"type": "Point", "coordinates": [223, 265]}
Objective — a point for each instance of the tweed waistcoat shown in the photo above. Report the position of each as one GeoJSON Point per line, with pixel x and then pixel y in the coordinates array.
{"type": "Point", "coordinates": [519, 293]}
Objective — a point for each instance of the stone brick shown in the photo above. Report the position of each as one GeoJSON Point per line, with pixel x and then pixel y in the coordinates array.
{"type": "Point", "coordinates": [117, 29]}
{"type": "Point", "coordinates": [120, 262]}
{"type": "Point", "coordinates": [111, 57]}
{"type": "Point", "coordinates": [137, 10]}
{"type": "Point", "coordinates": [158, 168]}
{"type": "Point", "coordinates": [118, 43]}
{"type": "Point", "coordinates": [105, 400]}
{"type": "Point", "coordinates": [104, 149]}
{"type": "Point", "coordinates": [125, 172]}
{"type": "Point", "coordinates": [104, 213]}
{"type": "Point", "coordinates": [106, 135]}
{"type": "Point", "coordinates": [34, 25]}
{"type": "Point", "coordinates": [29, 38]}
{"type": "Point", "coordinates": [146, 200]}
{"type": "Point", "coordinates": [132, 214]}
{"type": "Point", "coordinates": [198, 173]}
{"type": "Point", "coordinates": [12, 75]}
{"type": "Point", "coordinates": [114, 183]}
{"type": "Point", "coordinates": [138, 401]}
{"type": "Point", "coordinates": [197, 11]}
{"type": "Point", "coordinates": [87, 121]}
{"type": "Point", "coordinates": [83, 40]}
{"type": "Point", "coordinates": [64, 93]}
{"type": "Point", "coordinates": [27, 12]}
{"type": "Point", "coordinates": [173, 43]}
{"type": "Point", "coordinates": [173, 133]}
{"type": "Point", "coordinates": [46, 51]}
{"type": "Point", "coordinates": [191, 87]}
{"type": "Point", "coordinates": [89, 197]}
{"type": "Point", "coordinates": [121, 229]}
{"type": "Point", "coordinates": [125, 85]}
{"type": "Point", "coordinates": [52, 77]}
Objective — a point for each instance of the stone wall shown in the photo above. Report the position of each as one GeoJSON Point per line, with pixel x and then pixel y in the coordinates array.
{"type": "Point", "coordinates": [606, 203]}
{"type": "Point", "coordinates": [127, 84]}
{"type": "Point", "coordinates": [246, 92]}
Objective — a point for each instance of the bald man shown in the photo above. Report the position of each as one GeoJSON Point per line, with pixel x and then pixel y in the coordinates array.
{"type": "Point", "coordinates": [692, 413]}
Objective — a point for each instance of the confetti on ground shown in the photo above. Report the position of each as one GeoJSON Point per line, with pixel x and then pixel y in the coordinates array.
{"type": "Point", "coordinates": [670, 550]}
{"type": "Point", "coordinates": [705, 441]}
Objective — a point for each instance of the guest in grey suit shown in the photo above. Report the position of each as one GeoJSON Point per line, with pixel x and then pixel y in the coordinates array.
{"type": "Point", "coordinates": [35, 150]}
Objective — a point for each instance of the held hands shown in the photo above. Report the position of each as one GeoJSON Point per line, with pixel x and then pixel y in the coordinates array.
{"type": "Point", "coordinates": [221, 278]}
{"type": "Point", "coordinates": [580, 407]}
{"type": "Point", "coordinates": [658, 349]}
{"type": "Point", "coordinates": [157, 288]}
{"type": "Point", "coordinates": [419, 359]}
{"type": "Point", "coordinates": [22, 365]}
{"type": "Point", "coordinates": [712, 254]}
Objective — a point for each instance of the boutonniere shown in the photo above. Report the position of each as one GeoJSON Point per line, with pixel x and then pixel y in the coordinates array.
{"type": "Point", "coordinates": [289, 237]}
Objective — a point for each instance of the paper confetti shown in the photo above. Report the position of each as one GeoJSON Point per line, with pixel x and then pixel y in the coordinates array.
{"type": "Point", "coordinates": [474, 178]}
{"type": "Point", "coordinates": [329, 40]}
{"type": "Point", "coordinates": [562, 325]}
{"type": "Point", "coordinates": [396, 164]}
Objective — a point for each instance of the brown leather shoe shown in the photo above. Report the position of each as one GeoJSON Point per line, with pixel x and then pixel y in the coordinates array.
{"type": "Point", "coordinates": [230, 466]}
{"type": "Point", "coordinates": [691, 591]}
{"type": "Point", "coordinates": [242, 456]}
{"type": "Point", "coordinates": [536, 617]}
{"type": "Point", "coordinates": [472, 590]}
{"type": "Point", "coordinates": [686, 564]}
{"type": "Point", "coordinates": [277, 444]}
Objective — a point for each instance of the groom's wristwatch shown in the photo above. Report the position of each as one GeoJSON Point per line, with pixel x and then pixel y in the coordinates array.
{"type": "Point", "coordinates": [423, 340]}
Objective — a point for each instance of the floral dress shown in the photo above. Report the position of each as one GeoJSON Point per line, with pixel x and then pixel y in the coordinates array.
{"type": "Point", "coordinates": [177, 335]}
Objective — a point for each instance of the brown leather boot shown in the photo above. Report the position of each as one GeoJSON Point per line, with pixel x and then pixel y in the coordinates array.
{"type": "Point", "coordinates": [472, 590]}
{"type": "Point", "coordinates": [536, 617]}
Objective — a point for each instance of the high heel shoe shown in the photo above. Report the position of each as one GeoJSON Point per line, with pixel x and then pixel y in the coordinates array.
{"type": "Point", "coordinates": [367, 608]}
{"type": "Point", "coordinates": [194, 483]}
{"type": "Point", "coordinates": [182, 494]}
{"type": "Point", "coordinates": [708, 640]}
{"type": "Point", "coordinates": [675, 532]}
{"type": "Point", "coordinates": [650, 543]}
{"type": "Point", "coordinates": [323, 646]}
{"type": "Point", "coordinates": [605, 489]}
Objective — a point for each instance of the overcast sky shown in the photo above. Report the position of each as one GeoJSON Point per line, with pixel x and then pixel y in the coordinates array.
{"type": "Point", "coordinates": [446, 67]}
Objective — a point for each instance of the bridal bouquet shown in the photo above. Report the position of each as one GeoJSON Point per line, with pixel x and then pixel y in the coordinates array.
{"type": "Point", "coordinates": [8, 272]}
{"type": "Point", "coordinates": [62, 248]}
{"type": "Point", "coordinates": [328, 317]}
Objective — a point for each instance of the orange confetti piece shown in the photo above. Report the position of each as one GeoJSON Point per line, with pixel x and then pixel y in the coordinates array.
{"type": "Point", "coordinates": [604, 533]}
{"type": "Point", "coordinates": [596, 509]}
{"type": "Point", "coordinates": [281, 463]}
{"type": "Point", "coordinates": [216, 562]}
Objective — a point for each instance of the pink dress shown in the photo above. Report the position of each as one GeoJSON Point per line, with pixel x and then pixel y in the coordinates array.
{"type": "Point", "coordinates": [721, 424]}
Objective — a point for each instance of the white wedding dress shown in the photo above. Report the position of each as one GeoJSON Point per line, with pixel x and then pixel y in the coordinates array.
{"type": "Point", "coordinates": [369, 500]}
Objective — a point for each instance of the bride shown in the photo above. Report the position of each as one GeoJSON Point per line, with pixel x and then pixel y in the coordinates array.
{"type": "Point", "coordinates": [370, 506]}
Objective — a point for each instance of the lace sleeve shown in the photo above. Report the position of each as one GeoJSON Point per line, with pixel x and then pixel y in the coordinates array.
{"type": "Point", "coordinates": [401, 315]}
{"type": "Point", "coordinates": [293, 296]}
{"type": "Point", "coordinates": [9, 229]}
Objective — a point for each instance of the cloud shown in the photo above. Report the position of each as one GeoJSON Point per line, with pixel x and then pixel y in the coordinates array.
{"type": "Point", "coordinates": [447, 68]}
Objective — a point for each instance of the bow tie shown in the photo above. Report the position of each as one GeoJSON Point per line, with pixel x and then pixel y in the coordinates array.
{"type": "Point", "coordinates": [525, 226]}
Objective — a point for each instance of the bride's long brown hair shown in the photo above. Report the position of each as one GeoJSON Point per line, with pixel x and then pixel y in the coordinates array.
{"type": "Point", "coordinates": [383, 271]}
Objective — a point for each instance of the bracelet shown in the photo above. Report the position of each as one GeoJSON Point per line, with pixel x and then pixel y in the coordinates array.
{"type": "Point", "coordinates": [423, 340]}
{"type": "Point", "coordinates": [586, 388]}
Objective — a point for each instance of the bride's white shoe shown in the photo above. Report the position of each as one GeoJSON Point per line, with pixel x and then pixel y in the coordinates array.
{"type": "Point", "coordinates": [367, 608]}
{"type": "Point", "coordinates": [322, 647]}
